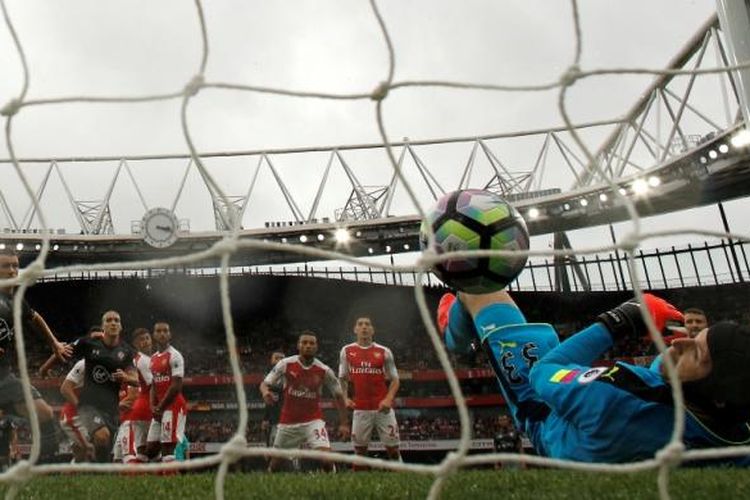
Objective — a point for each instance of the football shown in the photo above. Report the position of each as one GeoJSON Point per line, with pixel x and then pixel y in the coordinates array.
{"type": "Point", "coordinates": [473, 219]}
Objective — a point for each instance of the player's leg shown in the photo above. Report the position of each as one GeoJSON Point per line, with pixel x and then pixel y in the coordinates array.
{"type": "Point", "coordinates": [513, 347]}
{"type": "Point", "coordinates": [172, 430]}
{"type": "Point", "coordinates": [140, 435]}
{"type": "Point", "coordinates": [362, 425]}
{"type": "Point", "coordinates": [69, 422]}
{"type": "Point", "coordinates": [287, 437]}
{"type": "Point", "coordinates": [99, 429]}
{"type": "Point", "coordinates": [153, 441]}
{"type": "Point", "coordinates": [125, 443]}
{"type": "Point", "coordinates": [13, 390]}
{"type": "Point", "coordinates": [316, 438]}
{"type": "Point", "coordinates": [6, 441]}
{"type": "Point", "coordinates": [387, 428]}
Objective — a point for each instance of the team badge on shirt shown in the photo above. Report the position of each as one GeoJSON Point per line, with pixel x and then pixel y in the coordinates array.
{"type": "Point", "coordinates": [592, 374]}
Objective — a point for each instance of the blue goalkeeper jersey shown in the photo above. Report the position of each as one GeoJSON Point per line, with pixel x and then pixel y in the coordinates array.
{"type": "Point", "coordinates": [570, 409]}
{"type": "Point", "coordinates": [620, 413]}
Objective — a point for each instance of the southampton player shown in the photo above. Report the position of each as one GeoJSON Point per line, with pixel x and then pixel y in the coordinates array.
{"type": "Point", "coordinates": [11, 390]}
{"type": "Point", "coordinates": [109, 364]}
{"type": "Point", "coordinates": [167, 402]}
{"type": "Point", "coordinates": [623, 413]}
{"type": "Point", "coordinates": [371, 369]}
{"type": "Point", "coordinates": [303, 377]}
{"type": "Point", "coordinates": [136, 419]}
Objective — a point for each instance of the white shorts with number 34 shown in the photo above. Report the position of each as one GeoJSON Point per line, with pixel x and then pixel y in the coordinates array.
{"type": "Point", "coordinates": [313, 434]}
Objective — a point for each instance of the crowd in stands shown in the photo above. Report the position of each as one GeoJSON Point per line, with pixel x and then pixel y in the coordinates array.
{"type": "Point", "coordinates": [423, 428]}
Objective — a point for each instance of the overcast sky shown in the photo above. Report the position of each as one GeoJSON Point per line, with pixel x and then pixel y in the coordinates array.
{"type": "Point", "coordinates": [95, 48]}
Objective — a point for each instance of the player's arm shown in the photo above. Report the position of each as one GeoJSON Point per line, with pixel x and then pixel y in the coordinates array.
{"type": "Point", "coordinates": [127, 376]}
{"type": "Point", "coordinates": [47, 365]}
{"type": "Point", "coordinates": [73, 379]}
{"type": "Point", "coordinates": [62, 351]}
{"type": "Point", "coordinates": [339, 400]}
{"type": "Point", "coordinates": [126, 403]}
{"type": "Point", "coordinates": [77, 351]}
{"type": "Point", "coordinates": [175, 387]}
{"type": "Point", "coordinates": [274, 378]}
{"type": "Point", "coordinates": [267, 394]}
{"type": "Point", "coordinates": [392, 373]}
{"type": "Point", "coordinates": [344, 377]}
{"type": "Point", "coordinates": [624, 321]}
{"type": "Point", "coordinates": [67, 389]}
{"type": "Point", "coordinates": [152, 399]}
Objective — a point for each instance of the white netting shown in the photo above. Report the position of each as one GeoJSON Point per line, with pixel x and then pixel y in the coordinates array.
{"type": "Point", "coordinates": [236, 448]}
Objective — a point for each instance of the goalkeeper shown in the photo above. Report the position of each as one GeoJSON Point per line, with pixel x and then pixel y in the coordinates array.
{"type": "Point", "coordinates": [571, 410]}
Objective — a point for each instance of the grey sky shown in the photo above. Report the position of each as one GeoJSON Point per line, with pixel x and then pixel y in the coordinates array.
{"type": "Point", "coordinates": [137, 48]}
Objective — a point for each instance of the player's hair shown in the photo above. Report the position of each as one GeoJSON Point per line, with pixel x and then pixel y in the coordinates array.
{"type": "Point", "coordinates": [138, 332]}
{"type": "Point", "coordinates": [356, 315]}
{"type": "Point", "coordinates": [307, 333]}
{"type": "Point", "coordinates": [110, 311]}
{"type": "Point", "coordinates": [277, 352]}
{"type": "Point", "coordinates": [695, 310]}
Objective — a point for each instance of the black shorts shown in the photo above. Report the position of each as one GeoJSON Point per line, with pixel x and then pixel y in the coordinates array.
{"type": "Point", "coordinates": [92, 419]}
{"type": "Point", "coordinates": [11, 393]}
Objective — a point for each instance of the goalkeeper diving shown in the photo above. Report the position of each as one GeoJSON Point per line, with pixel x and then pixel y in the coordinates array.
{"type": "Point", "coordinates": [572, 410]}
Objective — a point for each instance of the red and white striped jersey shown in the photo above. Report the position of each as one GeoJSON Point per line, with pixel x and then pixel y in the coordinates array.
{"type": "Point", "coordinates": [165, 365]}
{"type": "Point", "coordinates": [367, 368]}
{"type": "Point", "coordinates": [303, 386]}
{"type": "Point", "coordinates": [142, 406]}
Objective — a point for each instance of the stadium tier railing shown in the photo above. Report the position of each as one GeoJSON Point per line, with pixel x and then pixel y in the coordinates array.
{"type": "Point", "coordinates": [708, 264]}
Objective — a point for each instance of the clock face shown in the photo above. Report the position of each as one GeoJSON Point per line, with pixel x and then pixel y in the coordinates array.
{"type": "Point", "coordinates": [160, 227]}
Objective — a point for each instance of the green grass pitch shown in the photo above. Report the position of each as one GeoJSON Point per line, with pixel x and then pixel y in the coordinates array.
{"type": "Point", "coordinates": [506, 485]}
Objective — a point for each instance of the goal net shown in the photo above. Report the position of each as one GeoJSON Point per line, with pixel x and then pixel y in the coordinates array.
{"type": "Point", "coordinates": [403, 79]}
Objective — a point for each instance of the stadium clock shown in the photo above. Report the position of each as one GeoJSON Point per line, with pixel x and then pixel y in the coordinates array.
{"type": "Point", "coordinates": [159, 226]}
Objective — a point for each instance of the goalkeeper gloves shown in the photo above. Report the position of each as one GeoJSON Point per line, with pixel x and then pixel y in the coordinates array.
{"type": "Point", "coordinates": [626, 320]}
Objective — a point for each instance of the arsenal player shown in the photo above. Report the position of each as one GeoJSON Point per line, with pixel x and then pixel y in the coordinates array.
{"type": "Point", "coordinates": [167, 402]}
{"type": "Point", "coordinates": [136, 415]}
{"type": "Point", "coordinates": [302, 378]}
{"type": "Point", "coordinates": [69, 422]}
{"type": "Point", "coordinates": [371, 370]}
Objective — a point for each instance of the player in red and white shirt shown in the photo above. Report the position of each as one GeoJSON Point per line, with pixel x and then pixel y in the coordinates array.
{"type": "Point", "coordinates": [371, 369]}
{"type": "Point", "coordinates": [167, 402]}
{"type": "Point", "coordinates": [82, 449]}
{"type": "Point", "coordinates": [302, 378]}
{"type": "Point", "coordinates": [135, 406]}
